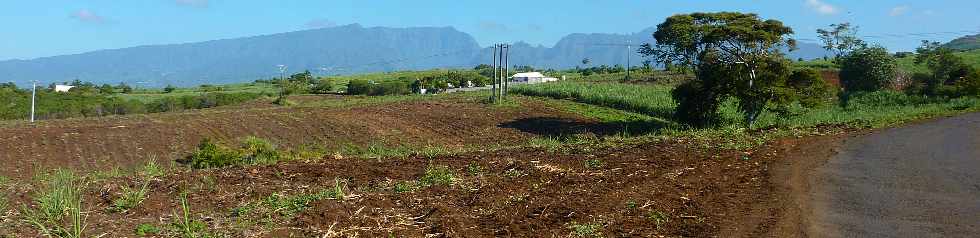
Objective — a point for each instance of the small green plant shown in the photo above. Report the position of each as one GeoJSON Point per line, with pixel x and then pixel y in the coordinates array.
{"type": "Point", "coordinates": [151, 169]}
{"type": "Point", "coordinates": [147, 229]}
{"type": "Point", "coordinates": [474, 169]}
{"type": "Point", "coordinates": [115, 172]}
{"type": "Point", "coordinates": [514, 173]}
{"type": "Point", "coordinates": [338, 189]}
{"type": "Point", "coordinates": [131, 198]}
{"type": "Point", "coordinates": [186, 226]}
{"type": "Point", "coordinates": [586, 230]}
{"type": "Point", "coordinates": [403, 187]}
{"type": "Point", "coordinates": [593, 163]}
{"type": "Point", "coordinates": [58, 210]}
{"type": "Point", "coordinates": [631, 205]}
{"type": "Point", "coordinates": [659, 218]}
{"type": "Point", "coordinates": [437, 175]}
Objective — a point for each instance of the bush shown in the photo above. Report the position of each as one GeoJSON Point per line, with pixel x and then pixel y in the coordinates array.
{"type": "Point", "coordinates": [696, 105]}
{"type": "Point", "coordinates": [358, 87]}
{"type": "Point", "coordinates": [885, 98]}
{"type": "Point", "coordinates": [811, 90]}
{"type": "Point", "coordinates": [259, 151]}
{"type": "Point", "coordinates": [169, 89]}
{"type": "Point", "coordinates": [253, 151]}
{"type": "Point", "coordinates": [394, 87]}
{"type": "Point", "coordinates": [323, 86]}
{"type": "Point", "coordinates": [211, 155]}
{"type": "Point", "coordinates": [867, 69]}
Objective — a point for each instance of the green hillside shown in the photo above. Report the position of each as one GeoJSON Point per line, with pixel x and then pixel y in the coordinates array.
{"type": "Point", "coordinates": [971, 57]}
{"type": "Point", "coordinates": [965, 43]}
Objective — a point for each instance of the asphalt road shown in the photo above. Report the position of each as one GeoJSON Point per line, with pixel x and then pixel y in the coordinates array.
{"type": "Point", "coordinates": [917, 181]}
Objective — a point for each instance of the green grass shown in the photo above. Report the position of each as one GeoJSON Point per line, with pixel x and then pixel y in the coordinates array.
{"type": "Point", "coordinates": [150, 95]}
{"type": "Point", "coordinates": [651, 100]}
{"type": "Point", "coordinates": [58, 205]}
{"type": "Point", "coordinates": [971, 57]}
{"type": "Point", "coordinates": [586, 230]}
{"type": "Point", "coordinates": [644, 112]}
{"type": "Point", "coordinates": [131, 198]}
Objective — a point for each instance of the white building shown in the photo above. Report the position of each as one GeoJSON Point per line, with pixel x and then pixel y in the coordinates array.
{"type": "Point", "coordinates": [532, 78]}
{"type": "Point", "coordinates": [62, 88]}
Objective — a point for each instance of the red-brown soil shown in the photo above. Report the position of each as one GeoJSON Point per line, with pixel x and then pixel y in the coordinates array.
{"type": "Point", "coordinates": [517, 193]}
{"type": "Point", "coordinates": [101, 143]}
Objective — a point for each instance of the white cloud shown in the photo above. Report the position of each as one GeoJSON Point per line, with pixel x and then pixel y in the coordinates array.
{"type": "Point", "coordinates": [192, 3]}
{"type": "Point", "coordinates": [821, 7]}
{"type": "Point", "coordinates": [86, 15]}
{"type": "Point", "coordinates": [898, 11]}
{"type": "Point", "coordinates": [929, 12]}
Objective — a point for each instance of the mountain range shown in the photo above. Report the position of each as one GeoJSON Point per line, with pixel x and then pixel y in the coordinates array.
{"type": "Point", "coordinates": [345, 49]}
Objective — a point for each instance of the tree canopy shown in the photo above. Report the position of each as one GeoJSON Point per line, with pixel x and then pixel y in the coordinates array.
{"type": "Point", "coordinates": [731, 54]}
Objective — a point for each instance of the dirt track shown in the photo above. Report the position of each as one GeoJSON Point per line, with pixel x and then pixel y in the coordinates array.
{"type": "Point", "coordinates": [917, 181]}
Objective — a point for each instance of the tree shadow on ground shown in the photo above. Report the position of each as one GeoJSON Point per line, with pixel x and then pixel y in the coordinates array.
{"type": "Point", "coordinates": [560, 127]}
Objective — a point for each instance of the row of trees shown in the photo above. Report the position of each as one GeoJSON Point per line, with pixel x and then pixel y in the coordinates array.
{"type": "Point", "coordinates": [738, 55]}
{"type": "Point", "coordinates": [55, 105]}
{"type": "Point", "coordinates": [430, 83]}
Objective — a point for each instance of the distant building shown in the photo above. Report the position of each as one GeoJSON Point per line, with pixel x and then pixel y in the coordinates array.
{"type": "Point", "coordinates": [532, 78]}
{"type": "Point", "coordinates": [62, 88]}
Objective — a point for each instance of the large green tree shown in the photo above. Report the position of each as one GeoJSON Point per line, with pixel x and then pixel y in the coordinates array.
{"type": "Point", "coordinates": [867, 69]}
{"type": "Point", "coordinates": [841, 39]}
{"type": "Point", "coordinates": [731, 54]}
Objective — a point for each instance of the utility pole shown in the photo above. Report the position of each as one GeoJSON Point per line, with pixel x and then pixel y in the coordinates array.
{"type": "Point", "coordinates": [33, 98]}
{"type": "Point", "coordinates": [506, 78]}
{"type": "Point", "coordinates": [282, 82]}
{"type": "Point", "coordinates": [629, 50]}
{"type": "Point", "coordinates": [493, 66]}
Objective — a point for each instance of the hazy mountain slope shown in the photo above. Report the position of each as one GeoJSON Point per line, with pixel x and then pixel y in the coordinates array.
{"type": "Point", "coordinates": [341, 50]}
{"type": "Point", "coordinates": [965, 43]}
{"type": "Point", "coordinates": [346, 49]}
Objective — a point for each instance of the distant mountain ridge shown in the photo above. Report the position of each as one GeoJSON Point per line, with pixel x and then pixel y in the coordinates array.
{"type": "Point", "coordinates": [971, 42]}
{"type": "Point", "coordinates": [338, 50]}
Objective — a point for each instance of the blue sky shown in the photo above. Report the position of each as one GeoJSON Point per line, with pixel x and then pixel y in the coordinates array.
{"type": "Point", "coordinates": [41, 28]}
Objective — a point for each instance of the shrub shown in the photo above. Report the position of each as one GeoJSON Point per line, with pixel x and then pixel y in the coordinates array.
{"type": "Point", "coordinates": [811, 90]}
{"type": "Point", "coordinates": [867, 69]}
{"type": "Point", "coordinates": [323, 86]}
{"type": "Point", "coordinates": [394, 87]}
{"type": "Point", "coordinates": [358, 87]}
{"type": "Point", "coordinates": [211, 155]}
{"type": "Point", "coordinates": [696, 106]}
{"type": "Point", "coordinates": [437, 175]}
{"type": "Point", "coordinates": [259, 151]}
{"type": "Point", "coordinates": [169, 89]}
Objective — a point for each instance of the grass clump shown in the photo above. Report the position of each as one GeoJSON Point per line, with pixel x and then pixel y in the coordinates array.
{"type": "Point", "coordinates": [185, 225]}
{"type": "Point", "coordinates": [437, 175]}
{"type": "Point", "coordinates": [594, 163]}
{"type": "Point", "coordinates": [131, 198]}
{"type": "Point", "coordinates": [586, 230]}
{"type": "Point", "coordinates": [147, 230]}
{"type": "Point", "coordinates": [279, 206]}
{"type": "Point", "coordinates": [659, 218]}
{"type": "Point", "coordinates": [253, 151]}
{"type": "Point", "coordinates": [58, 206]}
